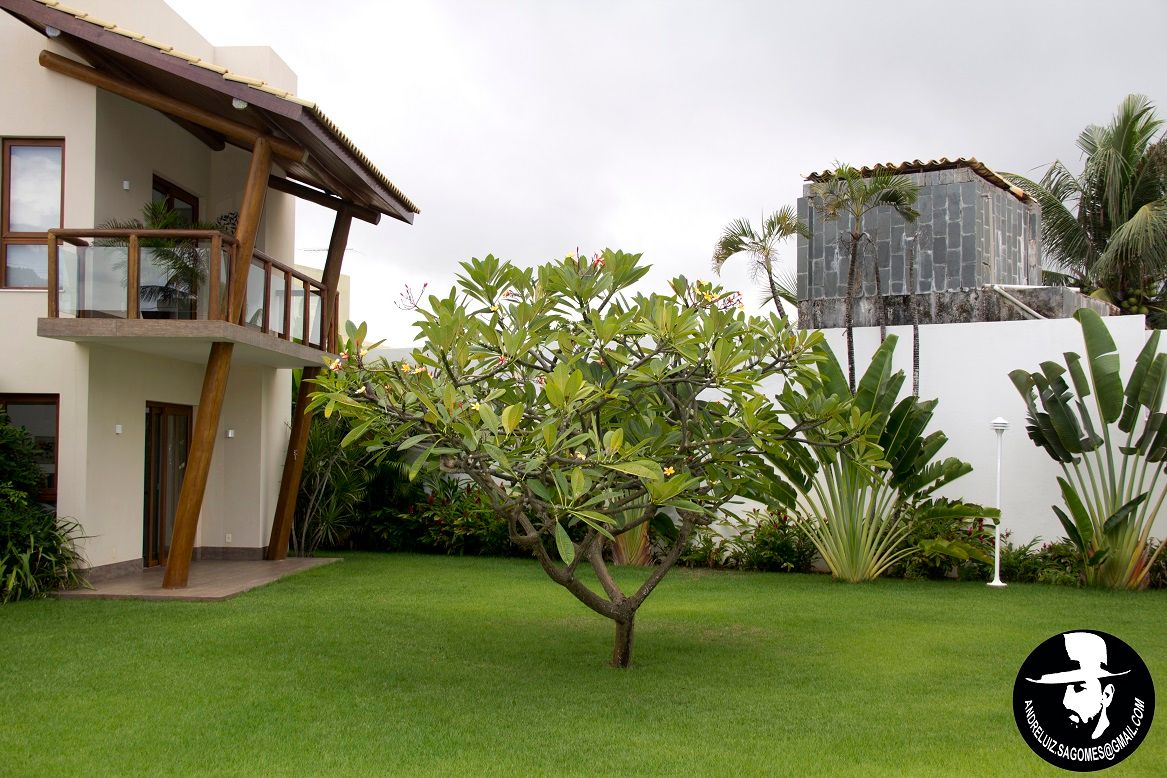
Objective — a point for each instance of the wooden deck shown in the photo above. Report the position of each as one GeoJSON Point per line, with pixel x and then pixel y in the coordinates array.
{"type": "Point", "coordinates": [210, 580]}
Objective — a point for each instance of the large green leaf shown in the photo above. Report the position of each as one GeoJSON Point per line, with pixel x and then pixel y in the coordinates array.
{"type": "Point", "coordinates": [1102, 355]}
{"type": "Point", "coordinates": [869, 392]}
{"type": "Point", "coordinates": [563, 544]}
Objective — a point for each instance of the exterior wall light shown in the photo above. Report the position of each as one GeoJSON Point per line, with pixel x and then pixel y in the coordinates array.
{"type": "Point", "coordinates": [52, 32]}
{"type": "Point", "coordinates": [238, 104]}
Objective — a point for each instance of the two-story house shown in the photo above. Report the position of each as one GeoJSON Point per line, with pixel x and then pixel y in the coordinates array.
{"type": "Point", "coordinates": [152, 362]}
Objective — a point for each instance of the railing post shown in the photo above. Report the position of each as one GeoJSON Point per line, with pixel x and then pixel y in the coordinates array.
{"type": "Point", "coordinates": [334, 324]}
{"type": "Point", "coordinates": [54, 285]}
{"type": "Point", "coordinates": [133, 277]}
{"type": "Point", "coordinates": [287, 333]}
{"type": "Point", "coordinates": [307, 313]}
{"type": "Point", "coordinates": [214, 264]}
{"type": "Point", "coordinates": [266, 318]}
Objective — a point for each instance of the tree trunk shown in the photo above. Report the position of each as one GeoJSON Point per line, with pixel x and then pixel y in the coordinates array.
{"type": "Point", "coordinates": [848, 317]}
{"type": "Point", "coordinates": [622, 647]}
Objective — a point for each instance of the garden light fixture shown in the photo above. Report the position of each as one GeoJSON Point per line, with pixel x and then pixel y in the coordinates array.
{"type": "Point", "coordinates": [999, 425]}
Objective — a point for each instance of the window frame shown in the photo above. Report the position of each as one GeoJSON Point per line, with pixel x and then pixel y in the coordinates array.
{"type": "Point", "coordinates": [22, 238]}
{"type": "Point", "coordinates": [48, 494]}
{"type": "Point", "coordinates": [172, 192]}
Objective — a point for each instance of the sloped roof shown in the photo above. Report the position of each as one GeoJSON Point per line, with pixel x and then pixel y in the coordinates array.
{"type": "Point", "coordinates": [134, 52]}
{"type": "Point", "coordinates": [944, 163]}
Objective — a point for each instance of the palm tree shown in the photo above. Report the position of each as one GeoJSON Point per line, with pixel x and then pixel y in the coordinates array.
{"type": "Point", "coordinates": [1105, 230]}
{"type": "Point", "coordinates": [740, 237]}
{"type": "Point", "coordinates": [846, 192]}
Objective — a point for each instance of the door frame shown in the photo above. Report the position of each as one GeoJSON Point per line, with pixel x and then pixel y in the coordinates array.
{"type": "Point", "coordinates": [153, 552]}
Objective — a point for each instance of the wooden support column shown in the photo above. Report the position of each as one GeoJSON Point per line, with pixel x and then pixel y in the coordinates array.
{"type": "Point", "coordinates": [281, 528]}
{"type": "Point", "coordinates": [206, 426]}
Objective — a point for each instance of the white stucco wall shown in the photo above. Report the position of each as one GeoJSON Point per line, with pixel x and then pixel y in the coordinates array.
{"type": "Point", "coordinates": [967, 367]}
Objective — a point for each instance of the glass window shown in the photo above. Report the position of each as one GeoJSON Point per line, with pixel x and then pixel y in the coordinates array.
{"type": "Point", "coordinates": [26, 265]}
{"type": "Point", "coordinates": [34, 188]}
{"type": "Point", "coordinates": [37, 413]}
{"type": "Point", "coordinates": [33, 182]}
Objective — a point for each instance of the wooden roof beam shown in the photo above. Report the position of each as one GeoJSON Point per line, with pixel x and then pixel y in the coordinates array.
{"type": "Point", "coordinates": [323, 199]}
{"type": "Point", "coordinates": [233, 131]}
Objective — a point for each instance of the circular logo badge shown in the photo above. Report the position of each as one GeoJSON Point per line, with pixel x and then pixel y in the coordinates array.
{"type": "Point", "coordinates": [1083, 700]}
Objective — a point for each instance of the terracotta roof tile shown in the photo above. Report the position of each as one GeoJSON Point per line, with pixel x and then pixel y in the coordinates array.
{"type": "Point", "coordinates": [944, 163]}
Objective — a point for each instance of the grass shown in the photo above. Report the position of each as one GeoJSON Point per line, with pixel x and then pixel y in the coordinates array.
{"type": "Point", "coordinates": [402, 664]}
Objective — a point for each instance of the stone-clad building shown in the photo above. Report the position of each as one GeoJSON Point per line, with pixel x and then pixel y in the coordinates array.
{"type": "Point", "coordinates": [974, 230]}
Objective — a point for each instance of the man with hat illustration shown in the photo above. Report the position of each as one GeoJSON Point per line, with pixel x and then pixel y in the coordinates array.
{"type": "Point", "coordinates": [1086, 699]}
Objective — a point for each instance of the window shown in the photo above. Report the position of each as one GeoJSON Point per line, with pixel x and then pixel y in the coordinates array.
{"type": "Point", "coordinates": [178, 200]}
{"type": "Point", "coordinates": [37, 413]}
{"type": "Point", "coordinates": [31, 204]}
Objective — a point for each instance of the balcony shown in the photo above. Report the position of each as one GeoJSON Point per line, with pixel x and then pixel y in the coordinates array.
{"type": "Point", "coordinates": [166, 292]}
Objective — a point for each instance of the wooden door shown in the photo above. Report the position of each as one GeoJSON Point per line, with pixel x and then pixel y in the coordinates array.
{"type": "Point", "coordinates": [168, 429]}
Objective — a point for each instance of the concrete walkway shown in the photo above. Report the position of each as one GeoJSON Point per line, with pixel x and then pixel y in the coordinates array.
{"type": "Point", "coordinates": [209, 580]}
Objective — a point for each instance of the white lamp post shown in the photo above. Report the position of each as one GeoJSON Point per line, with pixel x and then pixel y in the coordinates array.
{"type": "Point", "coordinates": [999, 425]}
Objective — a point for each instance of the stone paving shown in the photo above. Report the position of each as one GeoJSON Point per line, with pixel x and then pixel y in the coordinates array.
{"type": "Point", "coordinates": [209, 580]}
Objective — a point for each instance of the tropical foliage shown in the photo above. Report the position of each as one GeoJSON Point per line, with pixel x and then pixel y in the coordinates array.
{"type": "Point", "coordinates": [853, 510]}
{"type": "Point", "coordinates": [580, 411]}
{"type": "Point", "coordinates": [1105, 229]}
{"type": "Point", "coordinates": [740, 237]}
{"type": "Point", "coordinates": [1112, 455]}
{"type": "Point", "coordinates": [180, 264]}
{"type": "Point", "coordinates": [38, 552]}
{"type": "Point", "coordinates": [848, 196]}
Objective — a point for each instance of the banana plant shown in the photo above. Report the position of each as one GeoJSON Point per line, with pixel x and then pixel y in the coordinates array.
{"type": "Point", "coordinates": [854, 508]}
{"type": "Point", "coordinates": [1112, 455]}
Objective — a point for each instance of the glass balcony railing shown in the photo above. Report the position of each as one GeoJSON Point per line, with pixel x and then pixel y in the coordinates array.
{"type": "Point", "coordinates": [181, 275]}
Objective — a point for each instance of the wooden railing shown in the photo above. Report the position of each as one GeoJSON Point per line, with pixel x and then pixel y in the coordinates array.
{"type": "Point", "coordinates": [283, 302]}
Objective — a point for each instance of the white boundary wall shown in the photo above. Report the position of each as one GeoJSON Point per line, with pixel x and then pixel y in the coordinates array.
{"type": "Point", "coordinates": [967, 367]}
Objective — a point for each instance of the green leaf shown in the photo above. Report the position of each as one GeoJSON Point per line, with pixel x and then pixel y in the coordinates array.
{"type": "Point", "coordinates": [488, 416]}
{"type": "Point", "coordinates": [511, 416]}
{"type": "Point", "coordinates": [564, 545]}
{"type": "Point", "coordinates": [1071, 529]}
{"type": "Point", "coordinates": [412, 441]}
{"type": "Point", "coordinates": [579, 482]}
{"type": "Point", "coordinates": [1117, 518]}
{"type": "Point", "coordinates": [356, 433]}
{"type": "Point", "coordinates": [642, 468]}
{"type": "Point", "coordinates": [1103, 359]}
{"type": "Point", "coordinates": [419, 463]}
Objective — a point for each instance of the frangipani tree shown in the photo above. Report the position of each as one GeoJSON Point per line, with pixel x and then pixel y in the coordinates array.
{"type": "Point", "coordinates": [585, 412]}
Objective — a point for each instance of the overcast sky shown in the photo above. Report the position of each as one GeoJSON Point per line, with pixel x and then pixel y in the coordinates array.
{"type": "Point", "coordinates": [526, 129]}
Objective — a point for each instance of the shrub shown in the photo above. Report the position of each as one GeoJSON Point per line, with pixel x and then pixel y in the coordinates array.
{"type": "Point", "coordinates": [1059, 562]}
{"type": "Point", "coordinates": [38, 553]}
{"type": "Point", "coordinates": [942, 544]}
{"type": "Point", "coordinates": [449, 516]}
{"type": "Point", "coordinates": [18, 455]}
{"type": "Point", "coordinates": [761, 541]}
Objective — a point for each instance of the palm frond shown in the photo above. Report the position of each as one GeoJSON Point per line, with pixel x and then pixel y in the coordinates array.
{"type": "Point", "coordinates": [1066, 242]}
{"type": "Point", "coordinates": [1140, 243]}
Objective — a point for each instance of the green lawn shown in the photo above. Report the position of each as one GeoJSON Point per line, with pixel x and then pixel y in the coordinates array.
{"type": "Point", "coordinates": [401, 664]}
